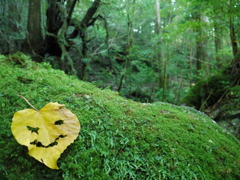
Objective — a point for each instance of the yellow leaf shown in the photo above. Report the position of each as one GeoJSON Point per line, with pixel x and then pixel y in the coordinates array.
{"type": "Point", "coordinates": [47, 132]}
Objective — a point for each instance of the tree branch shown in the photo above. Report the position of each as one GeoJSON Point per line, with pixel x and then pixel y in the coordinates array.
{"type": "Point", "coordinates": [70, 12]}
{"type": "Point", "coordinates": [86, 19]}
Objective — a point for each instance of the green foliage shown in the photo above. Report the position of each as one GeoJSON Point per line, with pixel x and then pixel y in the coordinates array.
{"type": "Point", "coordinates": [208, 91]}
{"type": "Point", "coordinates": [118, 21]}
{"type": "Point", "coordinates": [120, 139]}
{"type": "Point", "coordinates": [235, 92]}
{"type": "Point", "coordinates": [179, 34]}
{"type": "Point", "coordinates": [140, 81]}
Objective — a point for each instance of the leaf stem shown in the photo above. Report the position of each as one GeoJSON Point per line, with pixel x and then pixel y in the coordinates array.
{"type": "Point", "coordinates": [28, 102]}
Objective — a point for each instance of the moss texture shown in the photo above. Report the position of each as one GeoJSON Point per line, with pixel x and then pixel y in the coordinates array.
{"type": "Point", "coordinates": [119, 138]}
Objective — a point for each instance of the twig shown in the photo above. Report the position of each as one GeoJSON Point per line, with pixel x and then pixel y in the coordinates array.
{"type": "Point", "coordinates": [205, 102]}
{"type": "Point", "coordinates": [28, 102]}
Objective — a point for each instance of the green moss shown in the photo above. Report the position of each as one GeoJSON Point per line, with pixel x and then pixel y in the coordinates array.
{"type": "Point", "coordinates": [208, 91]}
{"type": "Point", "coordinates": [119, 138]}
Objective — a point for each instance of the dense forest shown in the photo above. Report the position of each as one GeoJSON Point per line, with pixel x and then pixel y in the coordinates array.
{"type": "Point", "coordinates": [142, 76]}
{"type": "Point", "coordinates": [182, 52]}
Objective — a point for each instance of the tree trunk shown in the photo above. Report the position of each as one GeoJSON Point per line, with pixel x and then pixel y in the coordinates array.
{"type": "Point", "coordinates": [217, 34]}
{"type": "Point", "coordinates": [232, 32]}
{"type": "Point", "coordinates": [218, 43]}
{"type": "Point", "coordinates": [217, 37]}
{"type": "Point", "coordinates": [129, 45]}
{"type": "Point", "coordinates": [159, 52]}
{"type": "Point", "coordinates": [105, 21]}
{"type": "Point", "coordinates": [70, 6]}
{"type": "Point", "coordinates": [191, 57]}
{"type": "Point", "coordinates": [34, 37]}
{"type": "Point", "coordinates": [199, 42]}
{"type": "Point", "coordinates": [83, 62]}
{"type": "Point", "coordinates": [235, 65]}
{"type": "Point", "coordinates": [54, 23]}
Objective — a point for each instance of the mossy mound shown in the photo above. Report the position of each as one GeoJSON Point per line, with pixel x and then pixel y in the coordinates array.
{"type": "Point", "coordinates": [119, 139]}
{"type": "Point", "coordinates": [208, 91]}
{"type": "Point", "coordinates": [218, 96]}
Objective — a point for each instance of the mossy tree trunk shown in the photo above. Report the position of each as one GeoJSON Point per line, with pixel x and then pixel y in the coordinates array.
{"type": "Point", "coordinates": [58, 42]}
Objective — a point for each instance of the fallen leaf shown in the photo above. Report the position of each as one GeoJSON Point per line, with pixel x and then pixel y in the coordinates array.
{"type": "Point", "coordinates": [47, 132]}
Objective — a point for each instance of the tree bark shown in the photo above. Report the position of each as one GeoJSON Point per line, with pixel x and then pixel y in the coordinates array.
{"type": "Point", "coordinates": [34, 37]}
{"type": "Point", "coordinates": [54, 23]}
{"type": "Point", "coordinates": [72, 6]}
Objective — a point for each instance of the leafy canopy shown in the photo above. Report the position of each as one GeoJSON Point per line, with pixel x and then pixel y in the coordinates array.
{"type": "Point", "coordinates": [47, 132]}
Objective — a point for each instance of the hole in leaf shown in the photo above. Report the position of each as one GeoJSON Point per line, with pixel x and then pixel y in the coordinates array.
{"type": "Point", "coordinates": [32, 129]}
{"type": "Point", "coordinates": [59, 122]}
{"type": "Point", "coordinates": [39, 144]}
{"type": "Point", "coordinates": [61, 136]}
{"type": "Point", "coordinates": [34, 142]}
{"type": "Point", "coordinates": [42, 160]}
{"type": "Point", "coordinates": [52, 144]}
